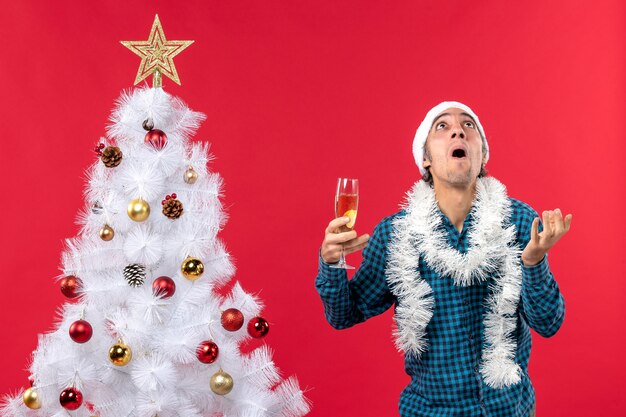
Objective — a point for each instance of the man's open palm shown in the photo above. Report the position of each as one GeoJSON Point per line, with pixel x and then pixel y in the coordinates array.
{"type": "Point", "coordinates": [554, 227]}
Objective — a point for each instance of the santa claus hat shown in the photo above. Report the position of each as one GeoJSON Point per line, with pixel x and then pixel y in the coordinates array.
{"type": "Point", "coordinates": [427, 123]}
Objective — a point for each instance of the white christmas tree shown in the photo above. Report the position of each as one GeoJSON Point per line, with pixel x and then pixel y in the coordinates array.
{"type": "Point", "coordinates": [146, 334]}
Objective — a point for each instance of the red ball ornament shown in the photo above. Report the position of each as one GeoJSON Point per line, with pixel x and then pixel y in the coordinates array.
{"type": "Point", "coordinates": [98, 148]}
{"type": "Point", "coordinates": [71, 398]}
{"type": "Point", "coordinates": [81, 331]}
{"type": "Point", "coordinates": [207, 352]}
{"type": "Point", "coordinates": [232, 319]}
{"type": "Point", "coordinates": [258, 327]}
{"type": "Point", "coordinates": [163, 287]}
{"type": "Point", "coordinates": [70, 286]}
{"type": "Point", "coordinates": [156, 138]}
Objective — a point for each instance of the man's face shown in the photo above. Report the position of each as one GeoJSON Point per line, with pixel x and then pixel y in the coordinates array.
{"type": "Point", "coordinates": [455, 149]}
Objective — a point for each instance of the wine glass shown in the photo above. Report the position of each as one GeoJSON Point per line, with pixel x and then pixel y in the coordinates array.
{"type": "Point", "coordinates": [346, 204]}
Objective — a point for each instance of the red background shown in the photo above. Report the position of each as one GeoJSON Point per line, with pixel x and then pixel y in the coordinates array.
{"type": "Point", "coordinates": [299, 93]}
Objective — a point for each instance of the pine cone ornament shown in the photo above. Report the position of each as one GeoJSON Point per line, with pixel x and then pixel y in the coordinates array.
{"type": "Point", "coordinates": [148, 124]}
{"type": "Point", "coordinates": [135, 274]}
{"type": "Point", "coordinates": [172, 207]}
{"type": "Point", "coordinates": [111, 156]}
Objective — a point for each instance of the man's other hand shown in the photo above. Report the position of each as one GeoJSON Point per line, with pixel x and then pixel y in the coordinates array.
{"type": "Point", "coordinates": [554, 227]}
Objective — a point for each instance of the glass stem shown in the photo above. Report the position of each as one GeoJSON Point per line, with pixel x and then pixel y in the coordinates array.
{"type": "Point", "coordinates": [342, 259]}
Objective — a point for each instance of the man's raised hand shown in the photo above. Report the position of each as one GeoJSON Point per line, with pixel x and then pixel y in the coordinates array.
{"type": "Point", "coordinates": [334, 240]}
{"type": "Point", "coordinates": [554, 227]}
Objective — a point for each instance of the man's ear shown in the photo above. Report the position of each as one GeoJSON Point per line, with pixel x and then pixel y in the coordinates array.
{"type": "Point", "coordinates": [425, 160]}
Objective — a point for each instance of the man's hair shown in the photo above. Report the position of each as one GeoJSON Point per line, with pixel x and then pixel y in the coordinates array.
{"type": "Point", "coordinates": [429, 178]}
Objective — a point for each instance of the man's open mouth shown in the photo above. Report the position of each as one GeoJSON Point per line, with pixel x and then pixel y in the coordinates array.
{"type": "Point", "coordinates": [459, 153]}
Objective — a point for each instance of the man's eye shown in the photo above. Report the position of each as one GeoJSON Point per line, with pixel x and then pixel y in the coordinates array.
{"type": "Point", "coordinates": [469, 124]}
{"type": "Point", "coordinates": [440, 125]}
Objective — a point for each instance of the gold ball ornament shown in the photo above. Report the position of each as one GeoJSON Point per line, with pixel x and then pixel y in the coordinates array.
{"type": "Point", "coordinates": [120, 354]}
{"type": "Point", "coordinates": [221, 383]}
{"type": "Point", "coordinates": [191, 176]}
{"type": "Point", "coordinates": [31, 399]}
{"type": "Point", "coordinates": [107, 233]}
{"type": "Point", "coordinates": [192, 268]}
{"type": "Point", "coordinates": [138, 210]}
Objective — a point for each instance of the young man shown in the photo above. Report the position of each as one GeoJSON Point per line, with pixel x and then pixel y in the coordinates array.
{"type": "Point", "coordinates": [466, 268]}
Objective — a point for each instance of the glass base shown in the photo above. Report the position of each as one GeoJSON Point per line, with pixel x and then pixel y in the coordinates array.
{"type": "Point", "coordinates": [341, 265]}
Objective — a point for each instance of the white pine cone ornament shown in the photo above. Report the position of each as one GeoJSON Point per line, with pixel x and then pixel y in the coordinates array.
{"type": "Point", "coordinates": [135, 274]}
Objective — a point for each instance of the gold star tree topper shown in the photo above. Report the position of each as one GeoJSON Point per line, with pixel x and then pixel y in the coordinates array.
{"type": "Point", "coordinates": [157, 55]}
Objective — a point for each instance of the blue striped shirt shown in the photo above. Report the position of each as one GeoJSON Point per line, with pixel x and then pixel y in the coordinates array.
{"type": "Point", "coordinates": [445, 381]}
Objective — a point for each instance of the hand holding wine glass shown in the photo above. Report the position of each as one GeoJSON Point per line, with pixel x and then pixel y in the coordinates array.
{"type": "Point", "coordinates": [340, 238]}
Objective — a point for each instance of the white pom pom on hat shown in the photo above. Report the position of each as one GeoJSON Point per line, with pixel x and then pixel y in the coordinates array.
{"type": "Point", "coordinates": [427, 123]}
